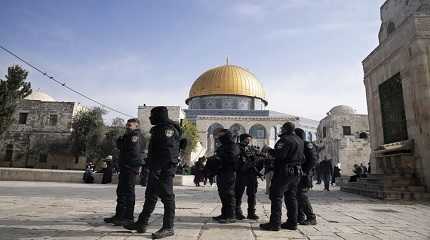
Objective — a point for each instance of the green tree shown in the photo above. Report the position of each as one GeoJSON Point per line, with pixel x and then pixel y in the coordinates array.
{"type": "Point", "coordinates": [118, 122]}
{"type": "Point", "coordinates": [12, 90]}
{"type": "Point", "coordinates": [108, 145]}
{"type": "Point", "coordinates": [190, 132]}
{"type": "Point", "coordinates": [88, 131]}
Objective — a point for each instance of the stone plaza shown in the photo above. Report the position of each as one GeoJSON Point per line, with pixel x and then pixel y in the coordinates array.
{"type": "Point", "coordinates": [40, 210]}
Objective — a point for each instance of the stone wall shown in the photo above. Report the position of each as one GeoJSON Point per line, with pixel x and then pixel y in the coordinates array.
{"type": "Point", "coordinates": [344, 149]}
{"type": "Point", "coordinates": [395, 12]}
{"type": "Point", "coordinates": [71, 176]}
{"type": "Point", "coordinates": [144, 112]}
{"type": "Point", "coordinates": [43, 141]}
{"type": "Point", "coordinates": [406, 52]}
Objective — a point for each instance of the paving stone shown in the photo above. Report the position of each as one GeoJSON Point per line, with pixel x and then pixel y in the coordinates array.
{"type": "Point", "coordinates": [30, 211]}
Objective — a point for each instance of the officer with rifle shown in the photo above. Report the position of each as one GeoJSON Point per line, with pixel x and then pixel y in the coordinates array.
{"type": "Point", "coordinates": [248, 169]}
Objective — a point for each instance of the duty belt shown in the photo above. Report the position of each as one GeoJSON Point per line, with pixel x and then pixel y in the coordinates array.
{"type": "Point", "coordinates": [294, 170]}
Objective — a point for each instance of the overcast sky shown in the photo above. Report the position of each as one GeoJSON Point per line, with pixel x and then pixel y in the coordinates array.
{"type": "Point", "coordinates": [306, 53]}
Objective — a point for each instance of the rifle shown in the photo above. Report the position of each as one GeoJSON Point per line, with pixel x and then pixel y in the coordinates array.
{"type": "Point", "coordinates": [254, 158]}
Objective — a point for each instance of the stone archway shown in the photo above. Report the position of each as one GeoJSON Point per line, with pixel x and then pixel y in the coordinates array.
{"type": "Point", "coordinates": [237, 129]}
{"type": "Point", "coordinates": [259, 134]}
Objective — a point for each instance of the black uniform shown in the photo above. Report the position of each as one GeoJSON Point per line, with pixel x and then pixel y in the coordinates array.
{"type": "Point", "coordinates": [288, 154]}
{"type": "Point", "coordinates": [304, 205]}
{"type": "Point", "coordinates": [227, 154]}
{"type": "Point", "coordinates": [247, 172]}
{"type": "Point", "coordinates": [163, 153]}
{"type": "Point", "coordinates": [131, 149]}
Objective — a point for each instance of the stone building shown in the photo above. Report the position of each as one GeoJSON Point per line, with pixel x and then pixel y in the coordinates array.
{"type": "Point", "coordinates": [343, 138]}
{"type": "Point", "coordinates": [40, 135]}
{"type": "Point", "coordinates": [397, 80]}
{"type": "Point", "coordinates": [231, 97]}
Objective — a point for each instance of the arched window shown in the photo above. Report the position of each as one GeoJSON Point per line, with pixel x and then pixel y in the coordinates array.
{"type": "Point", "coordinates": [310, 137]}
{"type": "Point", "coordinates": [274, 133]}
{"type": "Point", "coordinates": [214, 129]}
{"type": "Point", "coordinates": [212, 141]}
{"type": "Point", "coordinates": [258, 131]}
{"type": "Point", "coordinates": [237, 129]}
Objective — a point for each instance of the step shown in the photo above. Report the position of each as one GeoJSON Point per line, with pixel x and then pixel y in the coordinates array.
{"type": "Point", "coordinates": [407, 188]}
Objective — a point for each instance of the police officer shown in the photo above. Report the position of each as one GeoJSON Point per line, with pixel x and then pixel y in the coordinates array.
{"type": "Point", "coordinates": [304, 205]}
{"type": "Point", "coordinates": [227, 154]}
{"type": "Point", "coordinates": [288, 153]}
{"type": "Point", "coordinates": [163, 153]}
{"type": "Point", "coordinates": [247, 172]}
{"type": "Point", "coordinates": [131, 148]}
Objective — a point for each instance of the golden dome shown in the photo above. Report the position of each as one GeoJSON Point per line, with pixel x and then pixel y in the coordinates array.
{"type": "Point", "coordinates": [227, 80]}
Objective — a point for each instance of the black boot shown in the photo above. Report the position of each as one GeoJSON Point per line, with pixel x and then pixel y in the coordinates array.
{"type": "Point", "coordinates": [162, 233]}
{"type": "Point", "coordinates": [122, 222]}
{"type": "Point", "coordinates": [226, 220]}
{"type": "Point", "coordinates": [312, 221]}
{"type": "Point", "coordinates": [289, 226]}
{"type": "Point", "coordinates": [218, 217]}
{"type": "Point", "coordinates": [140, 227]}
{"type": "Point", "coordinates": [269, 227]}
{"type": "Point", "coordinates": [253, 216]}
{"type": "Point", "coordinates": [239, 214]}
{"type": "Point", "coordinates": [111, 219]}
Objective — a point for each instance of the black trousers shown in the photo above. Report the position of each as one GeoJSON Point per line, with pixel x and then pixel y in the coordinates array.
{"type": "Point", "coordinates": [160, 185]}
{"type": "Point", "coordinates": [125, 194]}
{"type": "Point", "coordinates": [305, 210]}
{"type": "Point", "coordinates": [326, 179]}
{"type": "Point", "coordinates": [249, 182]}
{"type": "Point", "coordinates": [144, 173]}
{"type": "Point", "coordinates": [283, 186]}
{"type": "Point", "coordinates": [226, 185]}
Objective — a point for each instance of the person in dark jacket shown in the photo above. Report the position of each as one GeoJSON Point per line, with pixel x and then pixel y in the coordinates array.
{"type": "Point", "coordinates": [107, 170]}
{"type": "Point", "coordinates": [163, 154]}
{"type": "Point", "coordinates": [198, 171]}
{"type": "Point", "coordinates": [326, 171]}
{"type": "Point", "coordinates": [306, 215]}
{"type": "Point", "coordinates": [227, 155]}
{"type": "Point", "coordinates": [248, 170]}
{"type": "Point", "coordinates": [131, 148]}
{"type": "Point", "coordinates": [288, 153]}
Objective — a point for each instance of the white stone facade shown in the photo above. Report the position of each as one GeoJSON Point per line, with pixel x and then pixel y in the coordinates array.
{"type": "Point", "coordinates": [403, 54]}
{"type": "Point", "coordinates": [265, 129]}
{"type": "Point", "coordinates": [343, 137]}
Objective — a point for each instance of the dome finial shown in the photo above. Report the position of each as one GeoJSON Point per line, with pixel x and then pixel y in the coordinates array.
{"type": "Point", "coordinates": [226, 61]}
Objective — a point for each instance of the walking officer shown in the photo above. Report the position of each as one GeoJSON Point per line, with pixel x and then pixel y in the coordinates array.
{"type": "Point", "coordinates": [305, 183]}
{"type": "Point", "coordinates": [227, 155]}
{"type": "Point", "coordinates": [247, 172]}
{"type": "Point", "coordinates": [288, 153]}
{"type": "Point", "coordinates": [163, 153]}
{"type": "Point", "coordinates": [131, 147]}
